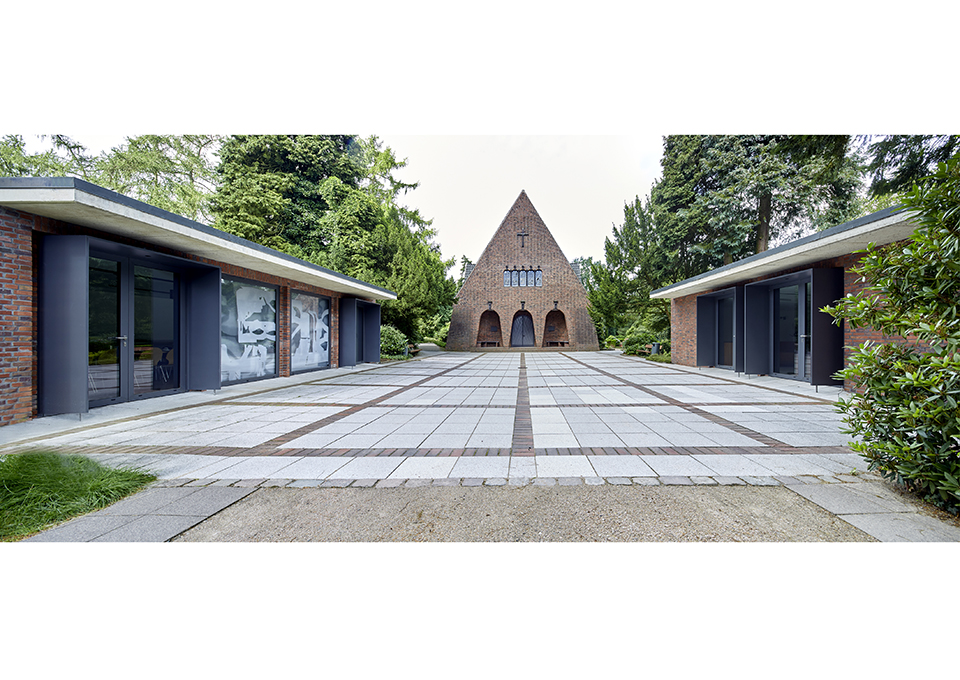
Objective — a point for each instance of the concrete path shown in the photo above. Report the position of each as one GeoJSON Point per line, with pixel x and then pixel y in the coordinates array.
{"type": "Point", "coordinates": [507, 420]}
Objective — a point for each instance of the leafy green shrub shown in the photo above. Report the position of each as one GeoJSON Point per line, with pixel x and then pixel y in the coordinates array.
{"type": "Point", "coordinates": [611, 341]}
{"type": "Point", "coordinates": [661, 358]}
{"type": "Point", "coordinates": [637, 339]}
{"type": "Point", "coordinates": [906, 410]}
{"type": "Point", "coordinates": [392, 341]}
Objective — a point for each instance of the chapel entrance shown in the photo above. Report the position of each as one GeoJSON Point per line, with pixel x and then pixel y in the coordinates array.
{"type": "Point", "coordinates": [489, 333]}
{"type": "Point", "coordinates": [555, 330]}
{"type": "Point", "coordinates": [521, 335]}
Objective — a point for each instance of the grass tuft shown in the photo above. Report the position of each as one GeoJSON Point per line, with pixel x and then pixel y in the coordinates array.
{"type": "Point", "coordinates": [40, 488]}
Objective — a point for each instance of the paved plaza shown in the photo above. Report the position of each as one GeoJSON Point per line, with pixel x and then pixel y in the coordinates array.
{"type": "Point", "coordinates": [481, 419]}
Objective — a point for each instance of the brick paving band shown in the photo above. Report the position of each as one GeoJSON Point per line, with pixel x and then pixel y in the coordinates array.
{"type": "Point", "coordinates": [522, 422]}
{"type": "Point", "coordinates": [720, 420]}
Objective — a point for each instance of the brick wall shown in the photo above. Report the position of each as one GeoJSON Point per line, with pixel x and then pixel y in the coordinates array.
{"type": "Point", "coordinates": [19, 236]}
{"type": "Point", "coordinates": [18, 400]}
{"type": "Point", "coordinates": [561, 290]}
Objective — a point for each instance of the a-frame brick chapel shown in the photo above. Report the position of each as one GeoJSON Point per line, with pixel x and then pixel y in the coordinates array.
{"type": "Point", "coordinates": [522, 292]}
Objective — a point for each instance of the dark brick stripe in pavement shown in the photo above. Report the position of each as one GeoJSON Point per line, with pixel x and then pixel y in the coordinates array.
{"type": "Point", "coordinates": [268, 448]}
{"type": "Point", "coordinates": [735, 427]}
{"type": "Point", "coordinates": [522, 422]}
{"type": "Point", "coordinates": [727, 380]}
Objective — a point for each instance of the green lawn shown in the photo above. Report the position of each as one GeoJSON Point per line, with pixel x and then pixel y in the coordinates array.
{"type": "Point", "coordinates": [39, 489]}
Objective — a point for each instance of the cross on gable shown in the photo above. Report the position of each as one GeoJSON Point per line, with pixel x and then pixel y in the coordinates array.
{"type": "Point", "coordinates": [522, 234]}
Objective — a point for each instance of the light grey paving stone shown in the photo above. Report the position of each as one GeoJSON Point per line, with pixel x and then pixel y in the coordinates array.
{"type": "Point", "coordinates": [199, 482]}
{"type": "Point", "coordinates": [472, 482]}
{"type": "Point", "coordinates": [564, 466]}
{"type": "Point", "coordinates": [315, 467]}
{"type": "Point", "coordinates": [620, 466]}
{"type": "Point", "coordinates": [808, 479]}
{"type": "Point", "coordinates": [638, 439]}
{"type": "Point", "coordinates": [675, 481]}
{"type": "Point", "coordinates": [495, 481]}
{"type": "Point", "coordinates": [266, 467]}
{"type": "Point", "coordinates": [247, 439]}
{"type": "Point", "coordinates": [594, 481]}
{"type": "Point", "coordinates": [598, 439]}
{"type": "Point", "coordinates": [481, 466]}
{"type": "Point", "coordinates": [247, 483]}
{"type": "Point", "coordinates": [730, 481]}
{"type": "Point", "coordinates": [313, 441]}
{"type": "Point", "coordinates": [519, 481]}
{"type": "Point", "coordinates": [205, 502]}
{"type": "Point", "coordinates": [402, 441]}
{"type": "Point", "coordinates": [498, 440]}
{"type": "Point", "coordinates": [223, 482]}
{"type": "Point", "coordinates": [215, 464]}
{"type": "Point", "coordinates": [790, 465]}
{"type": "Point", "coordinates": [544, 481]}
{"type": "Point", "coordinates": [850, 461]}
{"type": "Point", "coordinates": [646, 481]}
{"type": "Point", "coordinates": [415, 483]}
{"type": "Point", "coordinates": [619, 481]}
{"type": "Point", "coordinates": [555, 441]}
{"type": "Point", "coordinates": [677, 466]}
{"type": "Point", "coordinates": [337, 483]}
{"type": "Point", "coordinates": [760, 481]}
{"type": "Point", "coordinates": [389, 483]}
{"type": "Point", "coordinates": [363, 483]}
{"type": "Point", "coordinates": [569, 481]}
{"type": "Point", "coordinates": [446, 441]}
{"type": "Point", "coordinates": [304, 483]}
{"type": "Point", "coordinates": [847, 478]}
{"type": "Point", "coordinates": [447, 481]}
{"type": "Point", "coordinates": [369, 468]}
{"type": "Point", "coordinates": [151, 529]}
{"type": "Point", "coordinates": [276, 483]}
{"type": "Point", "coordinates": [732, 465]}
{"type": "Point", "coordinates": [903, 527]}
{"type": "Point", "coordinates": [846, 499]}
{"type": "Point", "coordinates": [81, 530]}
{"type": "Point", "coordinates": [148, 501]}
{"type": "Point", "coordinates": [704, 481]}
{"type": "Point", "coordinates": [425, 468]}
{"type": "Point", "coordinates": [523, 466]}
{"type": "Point", "coordinates": [812, 438]}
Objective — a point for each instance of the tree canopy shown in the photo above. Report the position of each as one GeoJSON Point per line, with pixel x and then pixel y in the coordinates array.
{"type": "Point", "coordinates": [722, 198]}
{"type": "Point", "coordinates": [333, 200]}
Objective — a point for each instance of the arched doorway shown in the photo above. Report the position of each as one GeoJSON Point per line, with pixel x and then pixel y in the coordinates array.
{"type": "Point", "coordinates": [489, 334]}
{"type": "Point", "coordinates": [555, 330]}
{"type": "Point", "coordinates": [521, 335]}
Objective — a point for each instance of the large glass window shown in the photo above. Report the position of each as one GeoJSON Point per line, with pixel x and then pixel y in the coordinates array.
{"type": "Point", "coordinates": [309, 331]}
{"type": "Point", "coordinates": [248, 330]}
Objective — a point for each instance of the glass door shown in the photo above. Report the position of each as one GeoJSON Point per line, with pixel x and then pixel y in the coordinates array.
{"type": "Point", "coordinates": [134, 331]}
{"type": "Point", "coordinates": [791, 331]}
{"type": "Point", "coordinates": [156, 331]}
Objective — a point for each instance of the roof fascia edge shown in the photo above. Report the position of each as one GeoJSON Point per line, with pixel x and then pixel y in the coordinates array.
{"type": "Point", "coordinates": [704, 282]}
{"type": "Point", "coordinates": [74, 190]}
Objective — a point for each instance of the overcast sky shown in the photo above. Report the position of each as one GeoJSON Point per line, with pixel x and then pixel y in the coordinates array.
{"type": "Point", "coordinates": [578, 184]}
